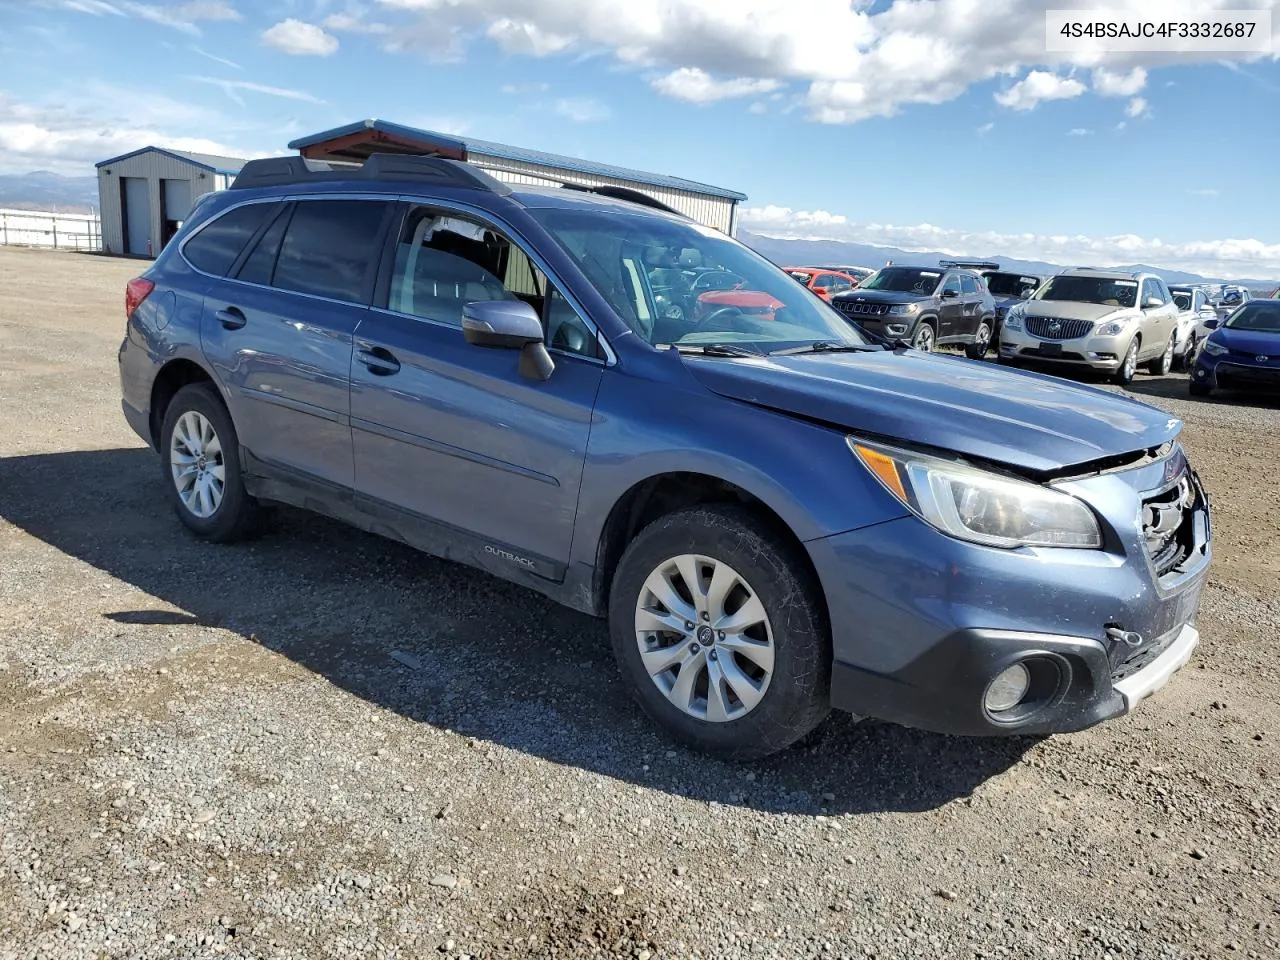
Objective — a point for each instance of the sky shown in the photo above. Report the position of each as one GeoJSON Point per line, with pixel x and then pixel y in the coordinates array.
{"type": "Point", "coordinates": [922, 124]}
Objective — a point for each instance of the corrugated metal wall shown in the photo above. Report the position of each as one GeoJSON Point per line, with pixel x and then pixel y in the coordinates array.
{"type": "Point", "coordinates": [715, 212]}
{"type": "Point", "coordinates": [152, 166]}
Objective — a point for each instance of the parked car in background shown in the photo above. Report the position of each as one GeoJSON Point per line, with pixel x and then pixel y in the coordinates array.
{"type": "Point", "coordinates": [858, 273]}
{"type": "Point", "coordinates": [1106, 320]}
{"type": "Point", "coordinates": [1194, 313]}
{"type": "Point", "coordinates": [1008, 288]}
{"type": "Point", "coordinates": [1240, 353]}
{"type": "Point", "coordinates": [1230, 298]}
{"type": "Point", "coordinates": [775, 516]}
{"type": "Point", "coordinates": [925, 307]}
{"type": "Point", "coordinates": [825, 283]}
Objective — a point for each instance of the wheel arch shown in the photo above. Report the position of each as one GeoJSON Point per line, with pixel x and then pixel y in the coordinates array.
{"type": "Point", "coordinates": [171, 378]}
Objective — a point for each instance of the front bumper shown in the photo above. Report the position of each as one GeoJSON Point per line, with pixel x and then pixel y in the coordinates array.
{"type": "Point", "coordinates": [1233, 372]}
{"type": "Point", "coordinates": [1098, 353]}
{"type": "Point", "coordinates": [921, 623]}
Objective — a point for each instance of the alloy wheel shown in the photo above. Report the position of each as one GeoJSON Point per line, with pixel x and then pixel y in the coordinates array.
{"type": "Point", "coordinates": [704, 638]}
{"type": "Point", "coordinates": [924, 338]}
{"type": "Point", "coordinates": [196, 464]}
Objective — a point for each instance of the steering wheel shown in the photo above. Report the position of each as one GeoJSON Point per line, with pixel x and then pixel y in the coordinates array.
{"type": "Point", "coordinates": [716, 280]}
{"type": "Point", "coordinates": [717, 315]}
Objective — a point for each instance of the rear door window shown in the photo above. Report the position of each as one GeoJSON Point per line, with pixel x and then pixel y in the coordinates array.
{"type": "Point", "coordinates": [260, 264]}
{"type": "Point", "coordinates": [331, 249]}
{"type": "Point", "coordinates": [969, 285]}
{"type": "Point", "coordinates": [216, 246]}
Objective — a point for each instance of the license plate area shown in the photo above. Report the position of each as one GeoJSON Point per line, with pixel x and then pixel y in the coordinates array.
{"type": "Point", "coordinates": [1051, 349]}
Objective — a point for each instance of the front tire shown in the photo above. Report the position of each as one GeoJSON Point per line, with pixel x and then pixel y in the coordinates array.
{"type": "Point", "coordinates": [720, 634]}
{"type": "Point", "coordinates": [981, 342]}
{"type": "Point", "coordinates": [925, 339]}
{"type": "Point", "coordinates": [200, 461]}
{"type": "Point", "coordinates": [1161, 366]}
{"type": "Point", "coordinates": [1129, 365]}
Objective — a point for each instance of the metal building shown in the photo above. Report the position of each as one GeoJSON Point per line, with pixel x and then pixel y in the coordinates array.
{"type": "Point", "coordinates": [145, 195]}
{"type": "Point", "coordinates": [716, 207]}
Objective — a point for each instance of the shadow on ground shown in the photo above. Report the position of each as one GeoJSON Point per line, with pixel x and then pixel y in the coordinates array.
{"type": "Point", "coordinates": [444, 645]}
{"type": "Point", "coordinates": [1175, 388]}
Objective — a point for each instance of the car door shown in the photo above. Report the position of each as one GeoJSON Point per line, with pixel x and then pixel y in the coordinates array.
{"type": "Point", "coordinates": [950, 307]}
{"type": "Point", "coordinates": [477, 461]}
{"type": "Point", "coordinates": [973, 305]}
{"type": "Point", "coordinates": [278, 330]}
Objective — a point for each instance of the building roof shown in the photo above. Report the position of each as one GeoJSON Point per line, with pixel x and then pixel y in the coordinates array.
{"type": "Point", "coordinates": [357, 140]}
{"type": "Point", "coordinates": [209, 161]}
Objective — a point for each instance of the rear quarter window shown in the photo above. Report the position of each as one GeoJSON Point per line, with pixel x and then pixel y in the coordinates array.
{"type": "Point", "coordinates": [217, 245]}
{"type": "Point", "coordinates": [331, 249]}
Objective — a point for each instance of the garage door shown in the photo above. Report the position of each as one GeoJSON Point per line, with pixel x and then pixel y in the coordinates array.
{"type": "Point", "coordinates": [177, 199]}
{"type": "Point", "coordinates": [137, 215]}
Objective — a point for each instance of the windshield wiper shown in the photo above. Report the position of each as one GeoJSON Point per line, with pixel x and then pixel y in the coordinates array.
{"type": "Point", "coordinates": [826, 346]}
{"type": "Point", "coordinates": [715, 349]}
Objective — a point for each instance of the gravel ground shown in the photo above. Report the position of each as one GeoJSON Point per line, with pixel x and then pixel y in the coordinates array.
{"type": "Point", "coordinates": [325, 745]}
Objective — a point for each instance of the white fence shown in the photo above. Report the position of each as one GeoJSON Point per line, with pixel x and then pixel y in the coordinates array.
{"type": "Point", "coordinates": [44, 228]}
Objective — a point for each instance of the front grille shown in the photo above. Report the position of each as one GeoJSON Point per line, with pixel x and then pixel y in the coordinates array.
{"type": "Point", "coordinates": [1168, 524]}
{"type": "Point", "coordinates": [1142, 657]}
{"type": "Point", "coordinates": [862, 309]}
{"type": "Point", "coordinates": [1051, 328]}
{"type": "Point", "coordinates": [1230, 374]}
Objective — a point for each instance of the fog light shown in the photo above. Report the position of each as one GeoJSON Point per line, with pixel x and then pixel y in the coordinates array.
{"type": "Point", "coordinates": [1200, 374]}
{"type": "Point", "coordinates": [1007, 690]}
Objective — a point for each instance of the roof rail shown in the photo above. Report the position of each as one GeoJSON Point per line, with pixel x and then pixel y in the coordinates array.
{"type": "Point", "coordinates": [281, 171]}
{"type": "Point", "coordinates": [624, 193]}
{"type": "Point", "coordinates": [969, 264]}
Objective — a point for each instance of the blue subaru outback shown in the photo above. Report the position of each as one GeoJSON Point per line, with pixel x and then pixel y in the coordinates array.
{"type": "Point", "coordinates": [777, 513]}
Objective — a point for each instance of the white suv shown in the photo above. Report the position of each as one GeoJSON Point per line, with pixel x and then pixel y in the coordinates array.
{"type": "Point", "coordinates": [1107, 320]}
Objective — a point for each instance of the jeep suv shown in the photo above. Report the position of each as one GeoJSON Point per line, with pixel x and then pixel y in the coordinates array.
{"type": "Point", "coordinates": [774, 516]}
{"type": "Point", "coordinates": [924, 306]}
{"type": "Point", "coordinates": [1106, 320]}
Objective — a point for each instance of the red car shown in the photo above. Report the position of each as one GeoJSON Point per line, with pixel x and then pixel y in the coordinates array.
{"type": "Point", "coordinates": [825, 283]}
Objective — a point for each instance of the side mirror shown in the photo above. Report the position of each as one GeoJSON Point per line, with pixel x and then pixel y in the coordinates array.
{"type": "Point", "coordinates": [510, 325]}
{"type": "Point", "coordinates": [1151, 303]}
{"type": "Point", "coordinates": [950, 294]}
{"type": "Point", "coordinates": [1212, 323]}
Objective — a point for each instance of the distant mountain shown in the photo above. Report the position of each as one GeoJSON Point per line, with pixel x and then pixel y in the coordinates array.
{"type": "Point", "coordinates": [788, 253]}
{"type": "Point", "coordinates": [42, 190]}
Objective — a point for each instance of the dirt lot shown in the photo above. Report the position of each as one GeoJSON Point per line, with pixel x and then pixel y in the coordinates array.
{"type": "Point", "coordinates": [325, 745]}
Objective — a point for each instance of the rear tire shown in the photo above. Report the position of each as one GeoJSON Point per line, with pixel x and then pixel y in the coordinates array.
{"type": "Point", "coordinates": [200, 464]}
{"type": "Point", "coordinates": [681, 595]}
{"type": "Point", "coordinates": [981, 342]}
{"type": "Point", "coordinates": [1161, 366]}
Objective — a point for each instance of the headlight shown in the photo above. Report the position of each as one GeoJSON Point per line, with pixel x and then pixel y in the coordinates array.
{"type": "Point", "coordinates": [903, 309]}
{"type": "Point", "coordinates": [1213, 348]}
{"type": "Point", "coordinates": [978, 506]}
{"type": "Point", "coordinates": [1013, 319]}
{"type": "Point", "coordinates": [1114, 327]}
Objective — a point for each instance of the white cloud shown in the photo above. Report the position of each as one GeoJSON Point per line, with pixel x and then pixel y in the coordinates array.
{"type": "Point", "coordinates": [300, 38]}
{"type": "Point", "coordinates": [1232, 258]}
{"type": "Point", "coordinates": [350, 23]}
{"type": "Point", "coordinates": [583, 109]}
{"type": "Point", "coordinates": [858, 60]}
{"type": "Point", "coordinates": [520, 89]}
{"type": "Point", "coordinates": [758, 107]}
{"type": "Point", "coordinates": [1036, 87]}
{"type": "Point", "coordinates": [182, 16]}
{"type": "Point", "coordinates": [1108, 83]}
{"type": "Point", "coordinates": [521, 36]}
{"type": "Point", "coordinates": [1080, 132]}
{"type": "Point", "coordinates": [216, 59]}
{"type": "Point", "coordinates": [71, 130]}
{"type": "Point", "coordinates": [697, 86]}
{"type": "Point", "coordinates": [985, 129]}
{"type": "Point", "coordinates": [1205, 192]}
{"type": "Point", "coordinates": [232, 89]}
{"type": "Point", "coordinates": [1138, 107]}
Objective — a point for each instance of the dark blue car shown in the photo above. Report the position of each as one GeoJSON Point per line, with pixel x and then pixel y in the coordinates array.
{"type": "Point", "coordinates": [1242, 352]}
{"type": "Point", "coordinates": [775, 514]}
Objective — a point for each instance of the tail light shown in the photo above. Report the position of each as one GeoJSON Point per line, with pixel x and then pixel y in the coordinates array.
{"type": "Point", "coordinates": [137, 290]}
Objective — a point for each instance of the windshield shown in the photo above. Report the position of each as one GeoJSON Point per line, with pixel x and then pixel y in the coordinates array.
{"type": "Point", "coordinates": [1259, 316]}
{"type": "Point", "coordinates": [681, 283]}
{"type": "Point", "coordinates": [1009, 284]}
{"type": "Point", "coordinates": [903, 280]}
{"type": "Point", "coordinates": [1111, 293]}
{"type": "Point", "coordinates": [1182, 298]}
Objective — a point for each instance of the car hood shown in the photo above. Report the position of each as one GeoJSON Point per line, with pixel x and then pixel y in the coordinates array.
{"type": "Point", "coordinates": [1074, 309]}
{"type": "Point", "coordinates": [1024, 420]}
{"type": "Point", "coordinates": [1257, 342]}
{"type": "Point", "coordinates": [858, 295]}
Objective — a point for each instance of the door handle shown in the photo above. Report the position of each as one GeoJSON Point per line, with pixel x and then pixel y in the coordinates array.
{"type": "Point", "coordinates": [231, 318]}
{"type": "Point", "coordinates": [380, 362]}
